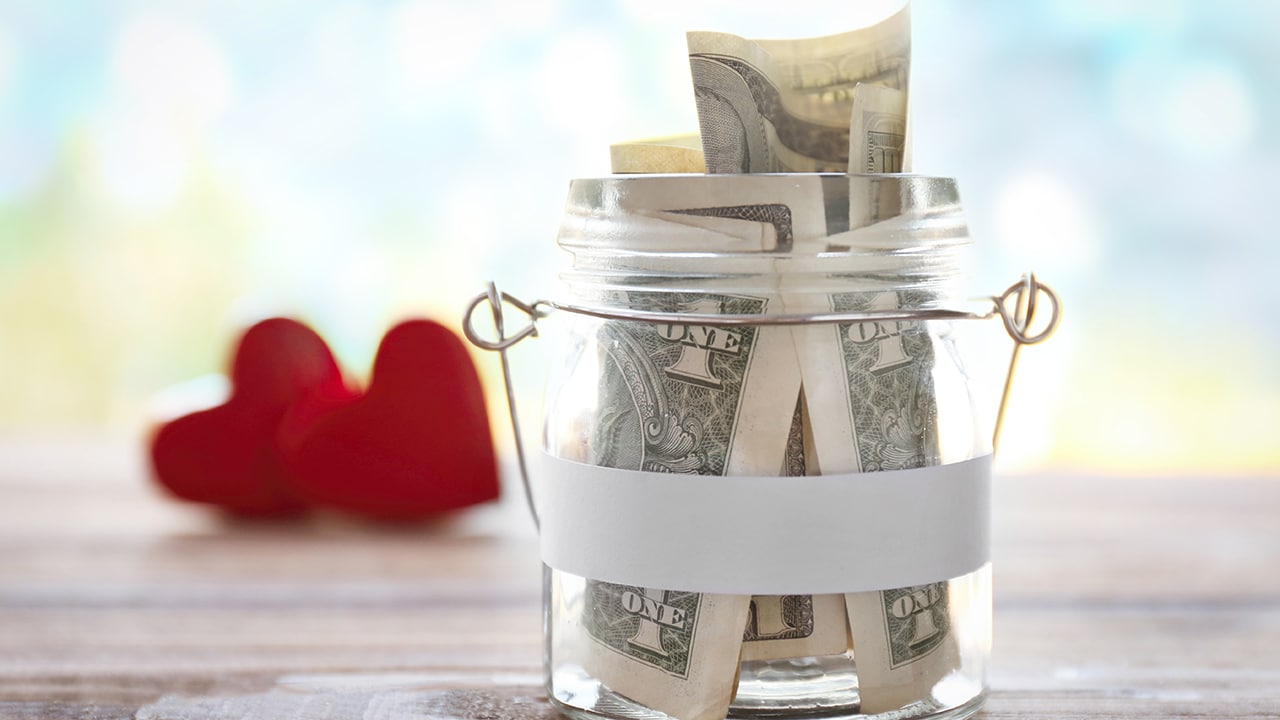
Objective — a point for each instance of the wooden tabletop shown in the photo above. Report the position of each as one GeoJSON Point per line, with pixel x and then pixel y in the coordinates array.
{"type": "Point", "coordinates": [1114, 597]}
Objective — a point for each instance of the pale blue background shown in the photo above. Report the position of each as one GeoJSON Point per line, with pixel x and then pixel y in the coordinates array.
{"type": "Point", "coordinates": [172, 170]}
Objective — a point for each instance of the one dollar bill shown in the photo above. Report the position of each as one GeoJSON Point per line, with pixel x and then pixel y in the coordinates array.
{"type": "Point", "coordinates": [777, 626]}
{"type": "Point", "coordinates": [875, 411]}
{"type": "Point", "coordinates": [692, 400]}
{"type": "Point", "coordinates": [769, 106]}
{"type": "Point", "coordinates": [793, 626]}
{"type": "Point", "coordinates": [878, 130]}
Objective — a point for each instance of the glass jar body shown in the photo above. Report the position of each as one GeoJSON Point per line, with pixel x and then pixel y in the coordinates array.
{"type": "Point", "coordinates": [880, 392]}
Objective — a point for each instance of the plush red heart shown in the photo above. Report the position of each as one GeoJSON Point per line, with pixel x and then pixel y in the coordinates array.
{"type": "Point", "coordinates": [227, 455]}
{"type": "Point", "coordinates": [417, 443]}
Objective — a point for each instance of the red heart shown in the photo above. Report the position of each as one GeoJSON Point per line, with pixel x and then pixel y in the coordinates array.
{"type": "Point", "coordinates": [227, 455]}
{"type": "Point", "coordinates": [416, 444]}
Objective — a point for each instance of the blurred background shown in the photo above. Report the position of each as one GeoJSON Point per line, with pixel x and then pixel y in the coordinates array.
{"type": "Point", "coordinates": [173, 171]}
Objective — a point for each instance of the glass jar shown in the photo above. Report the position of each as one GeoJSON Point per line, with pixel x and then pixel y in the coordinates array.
{"type": "Point", "coordinates": [764, 486]}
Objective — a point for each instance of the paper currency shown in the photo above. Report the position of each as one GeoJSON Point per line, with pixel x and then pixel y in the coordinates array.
{"type": "Point", "coordinates": [669, 216]}
{"type": "Point", "coordinates": [672, 154]}
{"type": "Point", "coordinates": [769, 106]}
{"type": "Point", "coordinates": [675, 652]}
{"type": "Point", "coordinates": [785, 107]}
{"type": "Point", "coordinates": [878, 130]}
{"type": "Point", "coordinates": [694, 400]}
{"type": "Point", "coordinates": [908, 650]}
{"type": "Point", "coordinates": [690, 217]}
{"type": "Point", "coordinates": [884, 404]}
{"type": "Point", "coordinates": [752, 215]}
{"type": "Point", "coordinates": [793, 626]}
{"type": "Point", "coordinates": [878, 412]}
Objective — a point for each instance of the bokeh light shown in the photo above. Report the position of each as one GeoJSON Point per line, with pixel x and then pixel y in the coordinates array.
{"type": "Point", "coordinates": [173, 171]}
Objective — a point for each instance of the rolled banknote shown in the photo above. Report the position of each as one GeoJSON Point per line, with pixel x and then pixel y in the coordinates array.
{"type": "Point", "coordinates": [875, 410]}
{"type": "Point", "coordinates": [671, 154]}
{"type": "Point", "coordinates": [693, 400]}
{"type": "Point", "coordinates": [786, 106]}
{"type": "Point", "coordinates": [878, 130]}
{"type": "Point", "coordinates": [904, 644]}
{"type": "Point", "coordinates": [666, 216]}
{"type": "Point", "coordinates": [794, 626]}
{"type": "Point", "coordinates": [877, 413]}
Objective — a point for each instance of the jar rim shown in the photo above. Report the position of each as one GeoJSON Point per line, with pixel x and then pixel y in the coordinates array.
{"type": "Point", "coordinates": [802, 214]}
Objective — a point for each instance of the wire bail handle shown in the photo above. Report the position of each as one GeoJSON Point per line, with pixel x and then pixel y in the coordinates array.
{"type": "Point", "coordinates": [1016, 307]}
{"type": "Point", "coordinates": [1022, 296]}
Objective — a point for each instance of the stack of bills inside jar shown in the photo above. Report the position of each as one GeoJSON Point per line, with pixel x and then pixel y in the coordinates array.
{"type": "Point", "coordinates": [784, 401]}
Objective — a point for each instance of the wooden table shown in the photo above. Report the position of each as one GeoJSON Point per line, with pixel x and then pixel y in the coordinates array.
{"type": "Point", "coordinates": [1134, 597]}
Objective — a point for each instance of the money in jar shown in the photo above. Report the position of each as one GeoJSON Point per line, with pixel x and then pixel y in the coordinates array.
{"type": "Point", "coordinates": [764, 478]}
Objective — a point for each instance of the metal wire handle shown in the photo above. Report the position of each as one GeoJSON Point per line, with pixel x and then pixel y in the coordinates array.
{"type": "Point", "coordinates": [1016, 307]}
{"type": "Point", "coordinates": [1018, 323]}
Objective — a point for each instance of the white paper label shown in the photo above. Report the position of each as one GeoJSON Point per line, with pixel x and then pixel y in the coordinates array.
{"type": "Point", "coordinates": [765, 535]}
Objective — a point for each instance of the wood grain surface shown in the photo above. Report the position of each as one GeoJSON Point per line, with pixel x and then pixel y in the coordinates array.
{"type": "Point", "coordinates": [1114, 597]}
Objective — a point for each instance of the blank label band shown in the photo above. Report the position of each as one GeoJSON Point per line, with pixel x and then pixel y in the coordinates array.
{"type": "Point", "coordinates": [765, 535]}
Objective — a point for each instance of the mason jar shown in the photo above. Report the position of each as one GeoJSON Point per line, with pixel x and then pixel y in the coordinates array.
{"type": "Point", "coordinates": [764, 480]}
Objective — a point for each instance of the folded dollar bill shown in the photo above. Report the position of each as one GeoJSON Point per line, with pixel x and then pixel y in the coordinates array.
{"type": "Point", "coordinates": [767, 106]}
